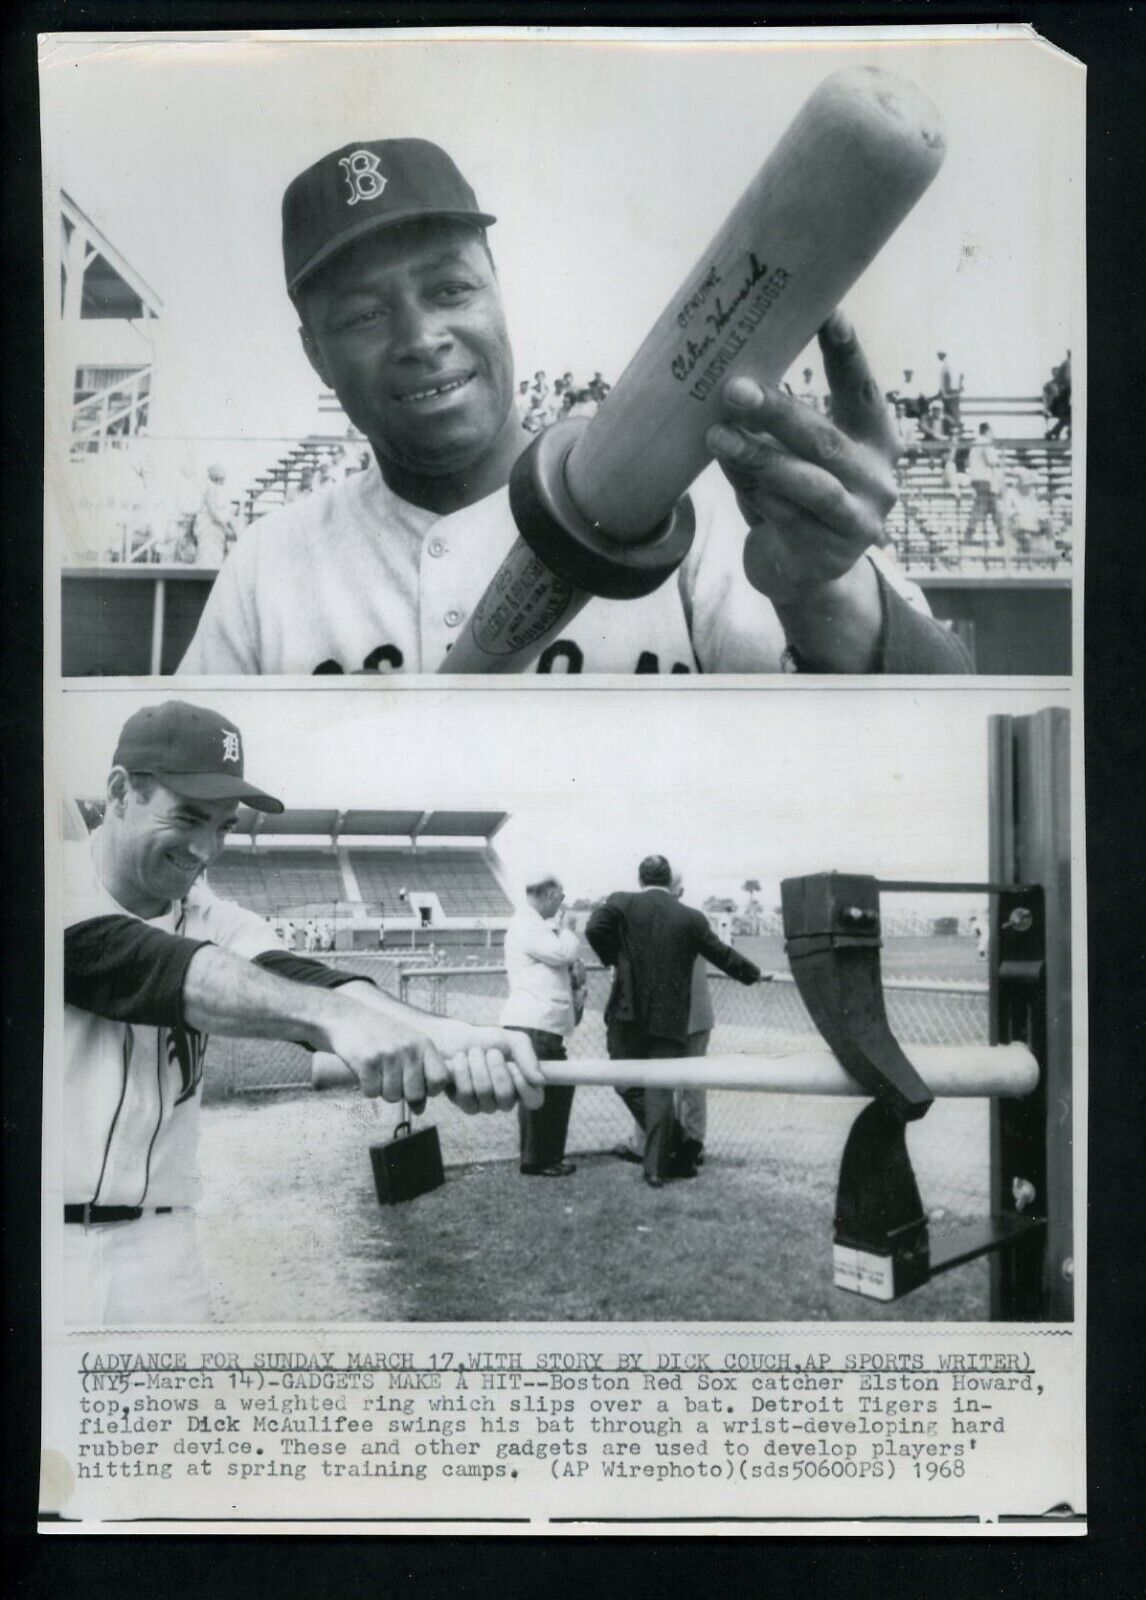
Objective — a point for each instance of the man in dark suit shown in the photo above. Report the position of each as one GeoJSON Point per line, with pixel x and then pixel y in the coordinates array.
{"type": "Point", "coordinates": [652, 940]}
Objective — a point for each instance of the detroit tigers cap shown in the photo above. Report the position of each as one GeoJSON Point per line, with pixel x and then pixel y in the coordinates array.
{"type": "Point", "coordinates": [193, 751]}
{"type": "Point", "coordinates": [363, 187]}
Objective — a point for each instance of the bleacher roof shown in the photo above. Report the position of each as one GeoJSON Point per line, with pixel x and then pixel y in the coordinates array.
{"type": "Point", "coordinates": [112, 286]}
{"type": "Point", "coordinates": [356, 824]}
{"type": "Point", "coordinates": [361, 824]}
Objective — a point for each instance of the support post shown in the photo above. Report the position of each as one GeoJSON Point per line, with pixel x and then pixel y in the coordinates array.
{"type": "Point", "coordinates": [1031, 1144]}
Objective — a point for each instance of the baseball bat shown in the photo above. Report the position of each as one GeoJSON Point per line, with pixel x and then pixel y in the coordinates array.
{"type": "Point", "coordinates": [949, 1071]}
{"type": "Point", "coordinates": [598, 505]}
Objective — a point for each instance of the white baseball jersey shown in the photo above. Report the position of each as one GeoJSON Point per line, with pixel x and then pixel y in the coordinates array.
{"type": "Point", "coordinates": [352, 579]}
{"type": "Point", "coordinates": [132, 1091]}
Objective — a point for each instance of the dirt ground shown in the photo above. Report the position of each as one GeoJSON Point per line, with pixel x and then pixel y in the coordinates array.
{"type": "Point", "coordinates": [293, 1233]}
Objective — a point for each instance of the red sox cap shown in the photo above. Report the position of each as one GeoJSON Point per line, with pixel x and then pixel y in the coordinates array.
{"type": "Point", "coordinates": [192, 751]}
{"type": "Point", "coordinates": [362, 187]}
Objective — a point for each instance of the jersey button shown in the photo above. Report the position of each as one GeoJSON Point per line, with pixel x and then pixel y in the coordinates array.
{"type": "Point", "coordinates": [437, 547]}
{"type": "Point", "coordinates": [452, 618]}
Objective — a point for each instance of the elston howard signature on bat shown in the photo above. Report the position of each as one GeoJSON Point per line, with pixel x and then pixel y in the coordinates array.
{"type": "Point", "coordinates": [720, 316]}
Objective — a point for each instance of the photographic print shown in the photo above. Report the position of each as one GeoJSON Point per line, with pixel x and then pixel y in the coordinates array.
{"type": "Point", "coordinates": [625, 429]}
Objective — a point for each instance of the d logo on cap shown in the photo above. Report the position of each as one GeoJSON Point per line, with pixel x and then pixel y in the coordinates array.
{"type": "Point", "coordinates": [362, 175]}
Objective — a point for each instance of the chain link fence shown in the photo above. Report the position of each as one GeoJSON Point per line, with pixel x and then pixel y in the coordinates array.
{"type": "Point", "coordinates": [803, 1133]}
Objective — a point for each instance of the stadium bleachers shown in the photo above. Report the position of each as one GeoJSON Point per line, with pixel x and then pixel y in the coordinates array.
{"type": "Point", "coordinates": [463, 882]}
{"type": "Point", "coordinates": [266, 880]}
{"type": "Point", "coordinates": [292, 473]}
{"type": "Point", "coordinates": [928, 525]}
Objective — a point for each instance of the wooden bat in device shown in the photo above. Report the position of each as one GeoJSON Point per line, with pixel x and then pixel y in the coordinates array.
{"type": "Point", "coordinates": [950, 1071]}
{"type": "Point", "coordinates": [598, 505]}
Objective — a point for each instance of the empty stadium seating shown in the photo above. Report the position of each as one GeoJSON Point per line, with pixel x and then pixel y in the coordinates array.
{"type": "Point", "coordinates": [266, 880]}
{"type": "Point", "coordinates": [269, 880]}
{"type": "Point", "coordinates": [463, 881]}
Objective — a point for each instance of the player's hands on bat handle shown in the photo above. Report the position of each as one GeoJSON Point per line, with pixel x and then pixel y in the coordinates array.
{"type": "Point", "coordinates": [390, 1059]}
{"type": "Point", "coordinates": [490, 1069]}
{"type": "Point", "coordinates": [814, 490]}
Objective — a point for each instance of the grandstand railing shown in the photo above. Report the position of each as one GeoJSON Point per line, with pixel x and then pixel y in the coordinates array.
{"type": "Point", "coordinates": [930, 524]}
{"type": "Point", "coordinates": [111, 418]}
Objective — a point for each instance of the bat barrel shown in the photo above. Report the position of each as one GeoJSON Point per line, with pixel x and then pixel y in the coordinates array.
{"type": "Point", "coordinates": [950, 1072]}
{"type": "Point", "coordinates": [857, 157]}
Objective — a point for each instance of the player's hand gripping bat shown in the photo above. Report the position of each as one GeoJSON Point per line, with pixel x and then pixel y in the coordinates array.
{"type": "Point", "coordinates": [598, 504]}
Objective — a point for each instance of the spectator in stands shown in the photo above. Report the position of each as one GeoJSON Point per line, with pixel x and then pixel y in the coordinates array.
{"type": "Point", "coordinates": [154, 962]}
{"type": "Point", "coordinates": [955, 477]}
{"type": "Point", "coordinates": [214, 521]}
{"type": "Point", "coordinates": [598, 388]}
{"type": "Point", "coordinates": [935, 425]}
{"type": "Point", "coordinates": [1021, 510]}
{"type": "Point", "coordinates": [950, 392]}
{"type": "Point", "coordinates": [545, 975]}
{"type": "Point", "coordinates": [582, 403]}
{"type": "Point", "coordinates": [651, 940]}
{"type": "Point", "coordinates": [906, 431]}
{"type": "Point", "coordinates": [1056, 400]}
{"type": "Point", "coordinates": [914, 403]}
{"type": "Point", "coordinates": [535, 418]}
{"type": "Point", "coordinates": [984, 468]}
{"type": "Point", "coordinates": [807, 393]}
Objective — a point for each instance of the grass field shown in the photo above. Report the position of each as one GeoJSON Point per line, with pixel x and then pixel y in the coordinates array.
{"type": "Point", "coordinates": [292, 1230]}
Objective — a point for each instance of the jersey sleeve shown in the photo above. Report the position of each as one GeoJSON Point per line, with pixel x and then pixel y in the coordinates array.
{"type": "Point", "coordinates": [230, 926]}
{"type": "Point", "coordinates": [300, 969]}
{"type": "Point", "coordinates": [912, 640]}
{"type": "Point", "coordinates": [723, 956]}
{"type": "Point", "coordinates": [227, 638]}
{"type": "Point", "coordinates": [735, 628]}
{"type": "Point", "coordinates": [117, 967]}
{"type": "Point", "coordinates": [603, 932]}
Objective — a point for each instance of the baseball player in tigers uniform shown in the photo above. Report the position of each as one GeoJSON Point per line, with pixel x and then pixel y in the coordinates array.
{"type": "Point", "coordinates": [153, 963]}
{"type": "Point", "coordinates": [389, 270]}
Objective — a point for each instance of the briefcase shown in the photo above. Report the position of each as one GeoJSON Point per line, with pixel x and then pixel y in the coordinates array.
{"type": "Point", "coordinates": [407, 1165]}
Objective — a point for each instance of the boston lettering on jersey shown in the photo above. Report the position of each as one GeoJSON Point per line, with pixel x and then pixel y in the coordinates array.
{"type": "Point", "coordinates": [562, 656]}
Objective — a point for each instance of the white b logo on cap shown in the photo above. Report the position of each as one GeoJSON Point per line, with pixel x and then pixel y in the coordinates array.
{"type": "Point", "coordinates": [361, 172]}
{"type": "Point", "coordinates": [230, 746]}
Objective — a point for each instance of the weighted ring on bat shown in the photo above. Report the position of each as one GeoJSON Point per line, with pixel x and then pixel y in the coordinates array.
{"type": "Point", "coordinates": [551, 524]}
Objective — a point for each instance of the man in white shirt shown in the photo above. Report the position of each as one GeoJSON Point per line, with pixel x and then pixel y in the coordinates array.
{"type": "Point", "coordinates": [984, 468]}
{"type": "Point", "coordinates": [544, 972]}
{"type": "Point", "coordinates": [401, 315]}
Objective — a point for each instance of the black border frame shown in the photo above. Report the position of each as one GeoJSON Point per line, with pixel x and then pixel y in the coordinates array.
{"type": "Point", "coordinates": [1109, 36]}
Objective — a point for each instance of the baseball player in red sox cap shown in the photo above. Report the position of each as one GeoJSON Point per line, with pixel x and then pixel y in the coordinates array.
{"type": "Point", "coordinates": [154, 962]}
{"type": "Point", "coordinates": [389, 269]}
